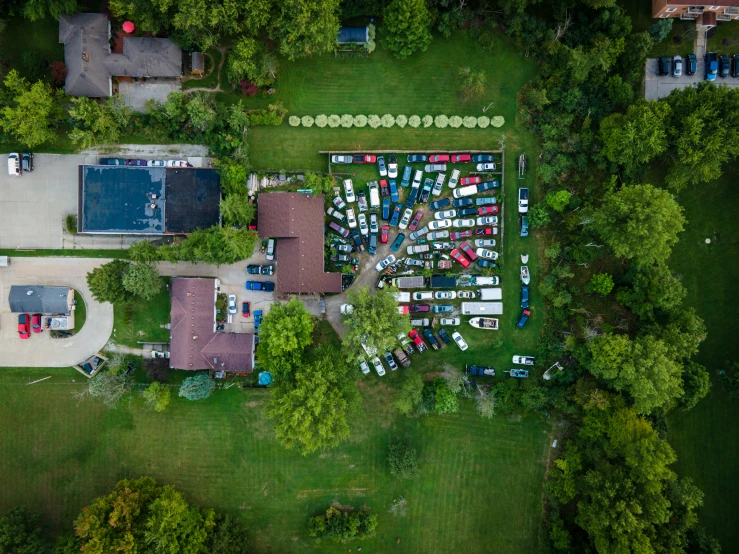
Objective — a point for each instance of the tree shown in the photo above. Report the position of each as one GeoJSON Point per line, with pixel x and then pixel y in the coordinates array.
{"type": "Point", "coordinates": [241, 60]}
{"type": "Point", "coordinates": [143, 252]}
{"type": "Point", "coordinates": [402, 459]}
{"type": "Point", "coordinates": [320, 184]}
{"type": "Point", "coordinates": [98, 123]}
{"type": "Point", "coordinates": [306, 27]}
{"type": "Point", "coordinates": [486, 402]}
{"type": "Point", "coordinates": [35, 10]}
{"type": "Point", "coordinates": [142, 280]}
{"type": "Point", "coordinates": [696, 384]}
{"type": "Point", "coordinates": [286, 331]}
{"type": "Point", "coordinates": [660, 30]}
{"type": "Point", "coordinates": [558, 200]}
{"type": "Point", "coordinates": [472, 83]}
{"type": "Point", "coordinates": [157, 396]}
{"type": "Point", "coordinates": [237, 210]}
{"type": "Point", "coordinates": [654, 288]}
{"type": "Point", "coordinates": [198, 387]}
{"type": "Point", "coordinates": [343, 525]}
{"type": "Point", "coordinates": [173, 525]}
{"type": "Point", "coordinates": [681, 330]}
{"type": "Point", "coordinates": [640, 222]}
{"type": "Point", "coordinates": [33, 64]}
{"type": "Point", "coordinates": [108, 387]}
{"type": "Point", "coordinates": [106, 282]}
{"type": "Point", "coordinates": [642, 367]}
{"type": "Point", "coordinates": [217, 245]}
{"type": "Point", "coordinates": [539, 216]}
{"type": "Point", "coordinates": [33, 111]}
{"type": "Point", "coordinates": [446, 400]}
{"type": "Point", "coordinates": [228, 537]}
{"type": "Point", "coordinates": [410, 393]}
{"type": "Point", "coordinates": [374, 322]}
{"type": "Point", "coordinates": [20, 533]}
{"type": "Point", "coordinates": [406, 27]}
{"type": "Point", "coordinates": [600, 283]}
{"type": "Point", "coordinates": [311, 404]}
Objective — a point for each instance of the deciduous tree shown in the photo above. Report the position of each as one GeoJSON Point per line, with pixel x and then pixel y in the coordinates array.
{"type": "Point", "coordinates": [696, 384]}
{"type": "Point", "coordinates": [143, 252]}
{"type": "Point", "coordinates": [402, 459]}
{"type": "Point", "coordinates": [410, 393]}
{"type": "Point", "coordinates": [157, 396]}
{"type": "Point", "coordinates": [20, 533]}
{"type": "Point", "coordinates": [600, 283]}
{"type": "Point", "coordinates": [108, 387]}
{"type": "Point", "coordinates": [142, 280]}
{"type": "Point", "coordinates": [406, 27]}
{"type": "Point", "coordinates": [199, 386]}
{"type": "Point", "coordinates": [286, 331]}
{"type": "Point", "coordinates": [33, 112]}
{"type": "Point", "coordinates": [654, 288]}
{"type": "Point", "coordinates": [36, 10]}
{"type": "Point", "coordinates": [306, 27]}
{"type": "Point", "coordinates": [98, 123]}
{"type": "Point", "coordinates": [106, 282]}
{"type": "Point", "coordinates": [237, 210]}
{"type": "Point", "coordinates": [173, 525]}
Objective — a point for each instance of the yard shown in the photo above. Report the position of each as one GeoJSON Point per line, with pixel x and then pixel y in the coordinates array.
{"type": "Point", "coordinates": [141, 320]}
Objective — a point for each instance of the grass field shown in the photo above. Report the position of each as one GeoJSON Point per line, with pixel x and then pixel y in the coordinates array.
{"type": "Point", "coordinates": [140, 320]}
{"type": "Point", "coordinates": [707, 438]}
{"type": "Point", "coordinates": [80, 311]}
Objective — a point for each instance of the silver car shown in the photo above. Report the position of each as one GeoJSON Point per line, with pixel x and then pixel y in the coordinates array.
{"type": "Point", "coordinates": [406, 219]}
{"type": "Point", "coordinates": [431, 168]}
{"type": "Point", "coordinates": [351, 220]}
{"type": "Point", "coordinates": [436, 235]}
{"type": "Point", "coordinates": [487, 220]}
{"type": "Point", "coordinates": [373, 223]}
{"type": "Point", "coordinates": [480, 243]}
{"type": "Point", "coordinates": [363, 228]}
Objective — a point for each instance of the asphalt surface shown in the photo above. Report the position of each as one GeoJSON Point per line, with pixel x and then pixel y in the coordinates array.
{"type": "Point", "coordinates": [658, 86]}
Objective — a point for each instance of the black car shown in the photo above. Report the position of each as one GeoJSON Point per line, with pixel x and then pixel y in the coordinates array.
{"type": "Point", "coordinates": [445, 336]}
{"type": "Point", "coordinates": [487, 185]}
{"type": "Point", "coordinates": [270, 269]}
{"type": "Point", "coordinates": [372, 248]}
{"type": "Point", "coordinates": [460, 202]}
{"type": "Point", "coordinates": [483, 158]}
{"type": "Point", "coordinates": [664, 66]}
{"type": "Point", "coordinates": [357, 238]}
{"type": "Point", "coordinates": [111, 161]}
{"type": "Point", "coordinates": [390, 361]}
{"type": "Point", "coordinates": [724, 66]}
{"type": "Point", "coordinates": [439, 204]}
{"type": "Point", "coordinates": [340, 258]}
{"type": "Point", "coordinates": [253, 269]}
{"type": "Point", "coordinates": [466, 211]}
{"type": "Point", "coordinates": [691, 64]}
{"type": "Point", "coordinates": [415, 158]}
{"type": "Point", "coordinates": [27, 162]}
{"type": "Point", "coordinates": [485, 263]}
{"type": "Point", "coordinates": [735, 65]}
{"type": "Point", "coordinates": [524, 296]}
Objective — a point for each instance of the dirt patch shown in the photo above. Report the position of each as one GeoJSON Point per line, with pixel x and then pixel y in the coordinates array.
{"type": "Point", "coordinates": [315, 493]}
{"type": "Point", "coordinates": [428, 377]}
{"type": "Point", "coordinates": [254, 403]}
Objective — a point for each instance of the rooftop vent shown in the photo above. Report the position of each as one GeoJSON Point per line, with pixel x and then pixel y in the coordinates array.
{"type": "Point", "coordinates": [85, 57]}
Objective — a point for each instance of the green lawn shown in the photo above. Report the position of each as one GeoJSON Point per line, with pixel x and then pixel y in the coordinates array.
{"type": "Point", "coordinates": [479, 491]}
{"type": "Point", "coordinates": [71, 253]}
{"type": "Point", "coordinates": [707, 438]}
{"type": "Point", "coordinates": [211, 80]}
{"type": "Point", "coordinates": [80, 311]}
{"type": "Point", "coordinates": [140, 320]}
{"type": "Point", "coordinates": [725, 39]}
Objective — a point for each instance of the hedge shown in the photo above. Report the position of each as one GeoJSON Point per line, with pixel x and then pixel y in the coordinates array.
{"type": "Point", "coordinates": [386, 121]}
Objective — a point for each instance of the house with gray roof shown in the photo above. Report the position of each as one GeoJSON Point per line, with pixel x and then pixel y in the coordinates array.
{"type": "Point", "coordinates": [26, 299]}
{"type": "Point", "coordinates": [91, 65]}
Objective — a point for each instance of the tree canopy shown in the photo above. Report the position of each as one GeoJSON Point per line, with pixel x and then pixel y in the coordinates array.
{"type": "Point", "coordinates": [406, 27]}
{"type": "Point", "coordinates": [20, 533]}
{"type": "Point", "coordinates": [34, 111]}
{"type": "Point", "coordinates": [106, 282]}
{"type": "Point", "coordinates": [306, 27]}
{"type": "Point", "coordinates": [285, 332]}
{"type": "Point", "coordinates": [199, 386]}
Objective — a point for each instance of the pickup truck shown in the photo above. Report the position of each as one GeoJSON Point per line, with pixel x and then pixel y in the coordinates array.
{"type": "Point", "coordinates": [402, 358]}
{"type": "Point", "coordinates": [429, 336]}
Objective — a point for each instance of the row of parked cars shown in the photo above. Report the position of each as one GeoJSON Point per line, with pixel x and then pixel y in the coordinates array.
{"type": "Point", "coordinates": [715, 65]}
{"type": "Point", "coordinates": [143, 163]}
{"type": "Point", "coordinates": [26, 323]}
{"type": "Point", "coordinates": [485, 162]}
{"type": "Point", "coordinates": [18, 163]}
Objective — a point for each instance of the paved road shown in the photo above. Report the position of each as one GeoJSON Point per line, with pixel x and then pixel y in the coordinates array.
{"type": "Point", "coordinates": [659, 86]}
{"type": "Point", "coordinates": [41, 350]}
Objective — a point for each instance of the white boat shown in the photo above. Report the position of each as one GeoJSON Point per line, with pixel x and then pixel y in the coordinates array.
{"type": "Point", "coordinates": [524, 259]}
{"type": "Point", "coordinates": [525, 277]}
{"type": "Point", "coordinates": [487, 323]}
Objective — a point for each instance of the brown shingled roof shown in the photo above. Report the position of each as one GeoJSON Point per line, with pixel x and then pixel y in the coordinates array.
{"type": "Point", "coordinates": [296, 221]}
{"type": "Point", "coordinates": [194, 342]}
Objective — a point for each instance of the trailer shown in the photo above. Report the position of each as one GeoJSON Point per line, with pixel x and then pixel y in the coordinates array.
{"type": "Point", "coordinates": [491, 294]}
{"type": "Point", "coordinates": [442, 282]}
{"type": "Point", "coordinates": [409, 282]}
{"type": "Point", "coordinates": [482, 308]}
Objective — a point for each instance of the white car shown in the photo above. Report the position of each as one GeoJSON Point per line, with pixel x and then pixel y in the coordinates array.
{"type": "Point", "coordinates": [271, 249]}
{"type": "Point", "coordinates": [363, 228]}
{"type": "Point", "coordinates": [346, 309]}
{"type": "Point", "coordinates": [336, 159]}
{"type": "Point", "coordinates": [430, 168]}
{"type": "Point", "coordinates": [405, 220]}
{"type": "Point", "coordinates": [487, 220]}
{"type": "Point", "coordinates": [445, 295]}
{"type": "Point", "coordinates": [484, 242]}
{"type": "Point", "coordinates": [454, 179]}
{"type": "Point", "coordinates": [232, 304]}
{"type": "Point", "coordinates": [524, 360]}
{"type": "Point", "coordinates": [418, 233]}
{"type": "Point", "coordinates": [445, 214]}
{"type": "Point", "coordinates": [392, 169]}
{"type": "Point", "coordinates": [155, 163]}
{"type": "Point", "coordinates": [382, 264]}
{"type": "Point", "coordinates": [466, 222]}
{"type": "Point", "coordinates": [450, 321]}
{"type": "Point", "coordinates": [423, 295]}
{"type": "Point", "coordinates": [435, 235]}
{"type": "Point", "coordinates": [14, 164]}
{"type": "Point", "coordinates": [349, 190]}
{"type": "Point", "coordinates": [486, 167]}
{"type": "Point", "coordinates": [177, 163]}
{"type": "Point", "coordinates": [351, 220]}
{"type": "Point", "coordinates": [336, 213]}
{"type": "Point", "coordinates": [459, 340]}
{"type": "Point", "coordinates": [364, 368]}
{"type": "Point", "coordinates": [467, 294]}
{"type": "Point", "coordinates": [417, 176]}
{"type": "Point", "coordinates": [373, 223]}
{"type": "Point", "coordinates": [523, 200]}
{"type": "Point", "coordinates": [441, 224]}
{"type": "Point", "coordinates": [339, 203]}
{"type": "Point", "coordinates": [487, 254]}
{"type": "Point", "coordinates": [378, 366]}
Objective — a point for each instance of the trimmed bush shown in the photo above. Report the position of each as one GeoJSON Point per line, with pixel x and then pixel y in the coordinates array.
{"type": "Point", "coordinates": [497, 121]}
{"type": "Point", "coordinates": [441, 121]}
{"type": "Point", "coordinates": [294, 120]}
{"type": "Point", "coordinates": [374, 121]}
{"type": "Point", "coordinates": [388, 120]}
{"type": "Point", "coordinates": [321, 120]}
{"type": "Point", "coordinates": [470, 122]}
{"type": "Point", "coordinates": [483, 122]}
{"type": "Point", "coordinates": [347, 120]}
{"type": "Point", "coordinates": [401, 121]}
{"type": "Point", "coordinates": [360, 120]}
{"type": "Point", "coordinates": [414, 121]}
{"type": "Point", "coordinates": [307, 121]}
{"type": "Point", "coordinates": [455, 121]}
{"type": "Point", "coordinates": [427, 121]}
{"type": "Point", "coordinates": [334, 121]}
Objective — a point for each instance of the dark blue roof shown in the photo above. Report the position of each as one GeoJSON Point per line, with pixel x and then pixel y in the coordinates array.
{"type": "Point", "coordinates": [358, 35]}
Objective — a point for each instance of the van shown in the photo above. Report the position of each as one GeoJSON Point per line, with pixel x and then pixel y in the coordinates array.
{"type": "Point", "coordinates": [374, 196]}
{"type": "Point", "coordinates": [423, 295]}
{"type": "Point", "coordinates": [417, 249]}
{"type": "Point", "coordinates": [271, 249]}
{"type": "Point", "coordinates": [461, 192]}
{"type": "Point", "coordinates": [372, 248]}
{"type": "Point", "coordinates": [14, 165]}
{"type": "Point", "coordinates": [402, 297]}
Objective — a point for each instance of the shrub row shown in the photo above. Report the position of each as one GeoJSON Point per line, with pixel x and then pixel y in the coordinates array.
{"type": "Point", "coordinates": [387, 120]}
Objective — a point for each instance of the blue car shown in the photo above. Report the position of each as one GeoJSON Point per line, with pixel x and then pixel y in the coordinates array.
{"type": "Point", "coordinates": [711, 66]}
{"type": "Point", "coordinates": [487, 185]}
{"type": "Point", "coordinates": [428, 184]}
{"type": "Point", "coordinates": [406, 181]}
{"type": "Point", "coordinates": [461, 202]}
{"type": "Point", "coordinates": [386, 209]}
{"type": "Point", "coordinates": [439, 204]}
{"type": "Point", "coordinates": [485, 200]}
{"type": "Point", "coordinates": [416, 158]}
{"type": "Point", "coordinates": [523, 319]}
{"type": "Point", "coordinates": [395, 246]}
{"type": "Point", "coordinates": [523, 226]}
{"type": "Point", "coordinates": [257, 320]}
{"type": "Point", "coordinates": [264, 286]}
{"type": "Point", "coordinates": [396, 215]}
{"type": "Point", "coordinates": [524, 296]}
{"type": "Point", "coordinates": [519, 373]}
{"type": "Point", "coordinates": [485, 263]}
{"type": "Point", "coordinates": [394, 191]}
{"type": "Point", "coordinates": [443, 308]}
{"type": "Point", "coordinates": [411, 200]}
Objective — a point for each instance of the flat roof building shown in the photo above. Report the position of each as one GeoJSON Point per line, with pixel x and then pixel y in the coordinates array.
{"type": "Point", "coordinates": [25, 299]}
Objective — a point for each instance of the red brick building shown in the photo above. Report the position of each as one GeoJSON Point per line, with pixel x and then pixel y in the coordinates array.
{"type": "Point", "coordinates": [706, 15]}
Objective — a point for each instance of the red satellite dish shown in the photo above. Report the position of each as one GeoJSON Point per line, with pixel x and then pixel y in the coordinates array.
{"type": "Point", "coordinates": [128, 27]}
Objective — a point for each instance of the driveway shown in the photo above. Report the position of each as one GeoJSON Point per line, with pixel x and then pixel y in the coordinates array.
{"type": "Point", "coordinates": [41, 350]}
{"type": "Point", "coordinates": [659, 86]}
{"type": "Point", "coordinates": [136, 95]}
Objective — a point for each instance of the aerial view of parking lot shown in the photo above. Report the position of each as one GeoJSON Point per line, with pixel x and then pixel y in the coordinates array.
{"type": "Point", "coordinates": [338, 276]}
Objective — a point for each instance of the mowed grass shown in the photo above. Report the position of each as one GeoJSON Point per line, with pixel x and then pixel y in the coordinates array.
{"type": "Point", "coordinates": [141, 320]}
{"type": "Point", "coordinates": [707, 438]}
{"type": "Point", "coordinates": [479, 490]}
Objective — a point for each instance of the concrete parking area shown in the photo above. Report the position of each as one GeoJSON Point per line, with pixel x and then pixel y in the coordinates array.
{"type": "Point", "coordinates": [658, 86]}
{"type": "Point", "coordinates": [136, 95]}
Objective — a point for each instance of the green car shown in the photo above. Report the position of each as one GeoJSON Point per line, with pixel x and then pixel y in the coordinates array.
{"type": "Point", "coordinates": [397, 242]}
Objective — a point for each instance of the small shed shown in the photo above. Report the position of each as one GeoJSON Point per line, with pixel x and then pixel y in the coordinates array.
{"type": "Point", "coordinates": [356, 35]}
{"type": "Point", "coordinates": [197, 65]}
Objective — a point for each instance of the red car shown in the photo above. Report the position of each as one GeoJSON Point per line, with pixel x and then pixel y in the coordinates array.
{"type": "Point", "coordinates": [36, 323]}
{"type": "Point", "coordinates": [456, 235]}
{"type": "Point", "coordinates": [245, 311]}
{"type": "Point", "coordinates": [487, 210]}
{"type": "Point", "coordinates": [470, 180]}
{"type": "Point", "coordinates": [417, 340]}
{"type": "Point", "coordinates": [467, 249]}
{"type": "Point", "coordinates": [366, 159]}
{"type": "Point", "coordinates": [483, 232]}
{"type": "Point", "coordinates": [416, 220]}
{"type": "Point", "coordinates": [461, 158]}
{"type": "Point", "coordinates": [24, 326]}
{"type": "Point", "coordinates": [383, 234]}
{"type": "Point", "coordinates": [459, 258]}
{"type": "Point", "coordinates": [439, 158]}
{"type": "Point", "coordinates": [384, 188]}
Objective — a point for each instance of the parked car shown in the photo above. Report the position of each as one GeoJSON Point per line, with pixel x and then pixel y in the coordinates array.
{"type": "Point", "coordinates": [486, 167]}
{"type": "Point", "coordinates": [459, 340]}
{"type": "Point", "coordinates": [155, 163]}
{"type": "Point", "coordinates": [436, 235]}
{"type": "Point", "coordinates": [461, 158]}
{"type": "Point", "coordinates": [137, 163]}
{"type": "Point", "coordinates": [429, 336]}
{"type": "Point", "coordinates": [487, 254]}
{"type": "Point", "coordinates": [487, 220]}
{"type": "Point", "coordinates": [467, 249]}
{"type": "Point", "coordinates": [364, 159]}
{"type": "Point", "coordinates": [177, 163]}
{"type": "Point", "coordinates": [484, 264]}
{"type": "Point", "coordinates": [413, 262]}
{"type": "Point", "coordinates": [406, 180]}
{"type": "Point", "coordinates": [415, 235]}
{"type": "Point", "coordinates": [485, 231]}
{"type": "Point", "coordinates": [386, 209]}
{"type": "Point", "coordinates": [523, 200]}
{"type": "Point", "coordinates": [377, 364]}
{"type": "Point", "coordinates": [459, 235]}
{"type": "Point", "coordinates": [394, 196]}
{"type": "Point", "coordinates": [390, 361]}
{"type": "Point", "coordinates": [386, 261]}
{"type": "Point", "coordinates": [382, 168]}
{"type": "Point", "coordinates": [362, 201]}
{"type": "Point", "coordinates": [450, 321]}
{"type": "Point", "coordinates": [440, 224]}
{"type": "Point", "coordinates": [24, 326]}
{"type": "Point", "coordinates": [36, 323]}
{"type": "Point", "coordinates": [711, 66]}
{"type": "Point", "coordinates": [339, 203]}
{"type": "Point", "coordinates": [416, 158]}
{"type": "Point", "coordinates": [349, 191]}
{"type": "Point", "coordinates": [466, 294]}
{"type": "Point", "coordinates": [341, 159]}
{"type": "Point", "coordinates": [396, 215]}
{"type": "Point", "coordinates": [464, 222]}
{"type": "Point", "coordinates": [383, 233]}
{"type": "Point", "coordinates": [724, 66]}
{"type": "Point", "coordinates": [439, 158]}
{"type": "Point", "coordinates": [253, 269]}
{"type": "Point", "coordinates": [338, 228]}
{"type": "Point", "coordinates": [464, 212]}
{"type": "Point", "coordinates": [486, 200]}
{"type": "Point", "coordinates": [14, 165]}
{"type": "Point", "coordinates": [523, 226]}
{"type": "Point", "coordinates": [442, 245]}
{"type": "Point", "coordinates": [245, 309]}
{"type": "Point", "coordinates": [27, 161]}
{"type": "Point", "coordinates": [416, 220]}
{"type": "Point", "coordinates": [363, 367]}
{"type": "Point", "coordinates": [420, 308]}
{"type": "Point", "coordinates": [351, 220]}
{"type": "Point", "coordinates": [374, 228]}
{"type": "Point", "coordinates": [405, 220]}
{"type": "Point", "coordinates": [270, 254]}
{"type": "Point", "coordinates": [461, 202]}
{"type": "Point", "coordinates": [445, 295]}
{"type": "Point", "coordinates": [445, 214]}
{"type": "Point", "coordinates": [664, 65]}
{"type": "Point", "coordinates": [444, 336]}
{"type": "Point", "coordinates": [478, 158]}
{"type": "Point", "coordinates": [458, 257]}
{"type": "Point", "coordinates": [481, 243]}
{"type": "Point", "coordinates": [454, 179]}
{"type": "Point", "coordinates": [395, 246]}
{"type": "Point", "coordinates": [264, 286]}
{"type": "Point", "coordinates": [417, 340]}
{"type": "Point", "coordinates": [473, 180]}
{"type": "Point", "coordinates": [519, 373]}
{"type": "Point", "coordinates": [363, 227]}
{"type": "Point", "coordinates": [677, 65]}
{"type": "Point", "coordinates": [422, 295]}
{"type": "Point", "coordinates": [392, 167]}
{"type": "Point", "coordinates": [734, 65]}
{"type": "Point", "coordinates": [487, 210]}
{"type": "Point", "coordinates": [111, 161]}
{"type": "Point", "coordinates": [335, 213]}
{"type": "Point", "coordinates": [524, 296]}
{"type": "Point", "coordinates": [487, 185]}
{"type": "Point", "coordinates": [523, 318]}
{"type": "Point", "coordinates": [357, 239]}
{"type": "Point", "coordinates": [691, 64]}
{"type": "Point", "coordinates": [346, 248]}
{"type": "Point", "coordinates": [439, 204]}
{"type": "Point", "coordinates": [432, 168]}
{"type": "Point", "coordinates": [524, 360]}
